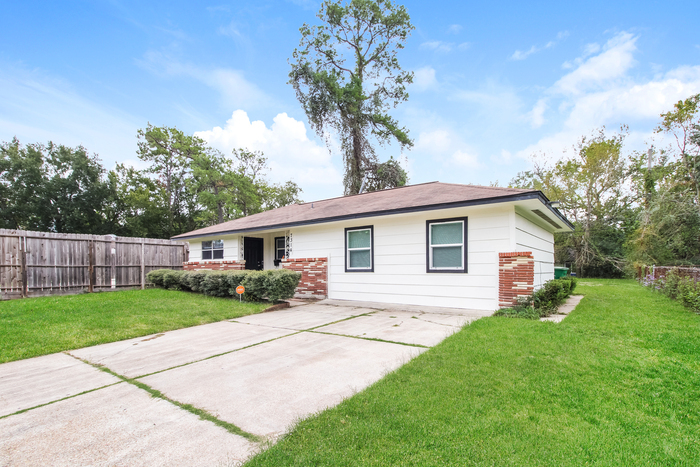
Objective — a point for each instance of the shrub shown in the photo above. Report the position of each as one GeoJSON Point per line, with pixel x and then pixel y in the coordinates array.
{"type": "Point", "coordinates": [551, 294]}
{"type": "Point", "coordinates": [542, 302]}
{"type": "Point", "coordinates": [215, 284]}
{"type": "Point", "coordinates": [156, 276]}
{"type": "Point", "coordinates": [671, 283]}
{"type": "Point", "coordinates": [193, 280]}
{"type": "Point", "coordinates": [275, 284]}
{"type": "Point", "coordinates": [256, 285]}
{"type": "Point", "coordinates": [173, 280]}
{"type": "Point", "coordinates": [235, 278]}
{"type": "Point", "coordinates": [688, 293]}
{"type": "Point", "coordinates": [571, 281]}
{"type": "Point", "coordinates": [284, 283]}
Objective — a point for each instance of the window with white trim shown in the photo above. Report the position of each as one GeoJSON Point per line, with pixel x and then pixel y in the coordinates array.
{"type": "Point", "coordinates": [359, 249]}
{"type": "Point", "coordinates": [213, 249]}
{"type": "Point", "coordinates": [446, 245]}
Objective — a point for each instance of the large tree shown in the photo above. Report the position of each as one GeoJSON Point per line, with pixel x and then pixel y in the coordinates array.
{"type": "Point", "coordinates": [669, 183]}
{"type": "Point", "coordinates": [682, 124]}
{"type": "Point", "coordinates": [52, 188]}
{"type": "Point", "coordinates": [170, 152]}
{"type": "Point", "coordinates": [591, 189]}
{"type": "Point", "coordinates": [347, 78]}
{"type": "Point", "coordinates": [229, 188]}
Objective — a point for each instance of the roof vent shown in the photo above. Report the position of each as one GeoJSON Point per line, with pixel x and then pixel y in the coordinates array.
{"type": "Point", "coordinates": [544, 217]}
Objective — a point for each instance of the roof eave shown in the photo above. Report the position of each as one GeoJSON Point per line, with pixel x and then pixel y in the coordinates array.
{"type": "Point", "coordinates": [433, 207]}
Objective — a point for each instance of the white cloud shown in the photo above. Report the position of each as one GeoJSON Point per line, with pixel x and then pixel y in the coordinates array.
{"type": "Point", "coordinates": [290, 152]}
{"type": "Point", "coordinates": [602, 91]}
{"type": "Point", "coordinates": [235, 90]}
{"type": "Point", "coordinates": [437, 46]}
{"type": "Point", "coordinates": [447, 147]}
{"type": "Point", "coordinates": [536, 115]}
{"type": "Point", "coordinates": [424, 78]}
{"type": "Point", "coordinates": [454, 29]}
{"type": "Point", "coordinates": [522, 55]}
{"type": "Point", "coordinates": [465, 159]}
{"type": "Point", "coordinates": [434, 142]}
{"type": "Point", "coordinates": [613, 63]}
{"type": "Point", "coordinates": [444, 47]}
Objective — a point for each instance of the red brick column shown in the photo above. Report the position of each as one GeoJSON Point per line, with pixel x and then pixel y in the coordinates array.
{"type": "Point", "coordinates": [314, 276]}
{"type": "Point", "coordinates": [516, 276]}
{"type": "Point", "coordinates": [229, 265]}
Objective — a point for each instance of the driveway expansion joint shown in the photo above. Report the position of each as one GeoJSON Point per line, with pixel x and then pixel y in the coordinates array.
{"type": "Point", "coordinates": [201, 413]}
{"type": "Point", "coordinates": [217, 355]}
{"type": "Point", "coordinates": [61, 399]}
{"type": "Point", "coordinates": [368, 339]}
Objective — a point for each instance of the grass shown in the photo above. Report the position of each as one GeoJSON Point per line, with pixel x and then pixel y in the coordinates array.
{"type": "Point", "coordinates": [39, 326]}
{"type": "Point", "coordinates": [617, 383]}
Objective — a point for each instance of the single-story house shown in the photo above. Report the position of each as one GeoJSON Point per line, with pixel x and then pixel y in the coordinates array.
{"type": "Point", "coordinates": [437, 244]}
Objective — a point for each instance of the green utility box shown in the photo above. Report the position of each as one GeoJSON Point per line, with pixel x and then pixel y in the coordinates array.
{"type": "Point", "coordinates": [560, 272]}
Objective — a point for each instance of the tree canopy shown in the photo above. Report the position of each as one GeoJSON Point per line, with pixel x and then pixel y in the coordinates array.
{"type": "Point", "coordinates": [186, 185]}
{"type": "Point", "coordinates": [640, 208]}
{"type": "Point", "coordinates": [347, 77]}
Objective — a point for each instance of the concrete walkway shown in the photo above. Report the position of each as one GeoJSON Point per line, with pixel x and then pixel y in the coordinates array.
{"type": "Point", "coordinates": [562, 312]}
{"type": "Point", "coordinates": [255, 377]}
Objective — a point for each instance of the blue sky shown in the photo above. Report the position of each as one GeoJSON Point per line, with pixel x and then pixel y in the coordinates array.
{"type": "Point", "coordinates": [496, 83]}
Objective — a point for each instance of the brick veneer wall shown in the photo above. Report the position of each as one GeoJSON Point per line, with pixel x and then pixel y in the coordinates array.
{"type": "Point", "coordinates": [314, 276]}
{"type": "Point", "coordinates": [230, 265]}
{"type": "Point", "coordinates": [516, 276]}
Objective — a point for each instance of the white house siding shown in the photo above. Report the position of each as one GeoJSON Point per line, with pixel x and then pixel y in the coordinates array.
{"type": "Point", "coordinates": [400, 259]}
{"type": "Point", "coordinates": [230, 247]}
{"type": "Point", "coordinates": [532, 237]}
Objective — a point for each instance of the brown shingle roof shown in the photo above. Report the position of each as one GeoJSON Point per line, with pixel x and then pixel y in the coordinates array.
{"type": "Point", "coordinates": [409, 198]}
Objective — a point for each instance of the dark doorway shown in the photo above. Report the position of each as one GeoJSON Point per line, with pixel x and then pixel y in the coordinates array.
{"type": "Point", "coordinates": [253, 253]}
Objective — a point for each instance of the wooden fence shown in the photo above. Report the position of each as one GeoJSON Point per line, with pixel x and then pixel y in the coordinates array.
{"type": "Point", "coordinates": [43, 263]}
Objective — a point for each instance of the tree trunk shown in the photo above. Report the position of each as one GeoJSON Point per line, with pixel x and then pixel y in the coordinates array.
{"type": "Point", "coordinates": [355, 163]}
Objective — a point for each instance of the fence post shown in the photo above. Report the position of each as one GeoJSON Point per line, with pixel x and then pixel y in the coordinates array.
{"type": "Point", "coordinates": [91, 266]}
{"type": "Point", "coordinates": [143, 265]}
{"type": "Point", "coordinates": [113, 264]}
{"type": "Point", "coordinates": [23, 266]}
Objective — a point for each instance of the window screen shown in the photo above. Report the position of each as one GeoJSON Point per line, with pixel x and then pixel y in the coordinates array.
{"type": "Point", "coordinates": [213, 249]}
{"type": "Point", "coordinates": [446, 245]}
{"type": "Point", "coordinates": [359, 249]}
{"type": "Point", "coordinates": [279, 247]}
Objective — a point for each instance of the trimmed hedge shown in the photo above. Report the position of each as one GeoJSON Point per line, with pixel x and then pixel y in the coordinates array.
{"type": "Point", "coordinates": [273, 285]}
{"type": "Point", "coordinates": [543, 302]}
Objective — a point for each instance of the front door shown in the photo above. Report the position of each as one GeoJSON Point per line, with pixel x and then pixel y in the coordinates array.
{"type": "Point", "coordinates": [253, 253]}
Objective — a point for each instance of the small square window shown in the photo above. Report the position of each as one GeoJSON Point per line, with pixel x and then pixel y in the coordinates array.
{"type": "Point", "coordinates": [213, 249]}
{"type": "Point", "coordinates": [446, 245]}
{"type": "Point", "coordinates": [359, 249]}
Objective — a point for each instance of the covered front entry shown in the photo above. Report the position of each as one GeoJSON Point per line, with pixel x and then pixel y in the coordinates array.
{"type": "Point", "coordinates": [253, 253]}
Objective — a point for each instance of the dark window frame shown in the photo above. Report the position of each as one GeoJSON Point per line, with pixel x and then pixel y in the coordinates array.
{"type": "Point", "coordinates": [371, 248]}
{"type": "Point", "coordinates": [284, 247]}
{"type": "Point", "coordinates": [465, 249]}
{"type": "Point", "coordinates": [212, 252]}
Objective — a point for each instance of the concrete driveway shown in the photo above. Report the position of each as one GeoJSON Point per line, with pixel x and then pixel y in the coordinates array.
{"type": "Point", "coordinates": [255, 376]}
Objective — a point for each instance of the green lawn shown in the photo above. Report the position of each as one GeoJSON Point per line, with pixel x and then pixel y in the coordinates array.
{"type": "Point", "coordinates": [38, 326]}
{"type": "Point", "coordinates": [616, 384]}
